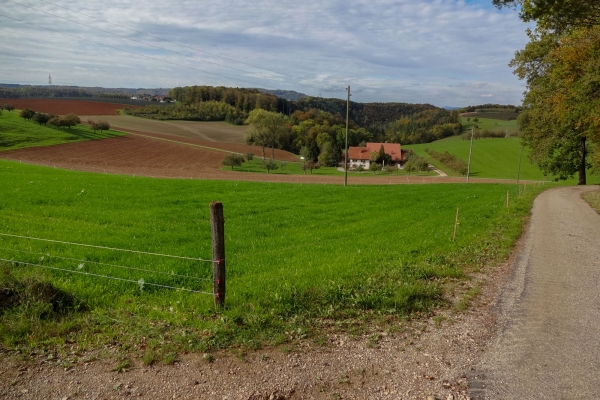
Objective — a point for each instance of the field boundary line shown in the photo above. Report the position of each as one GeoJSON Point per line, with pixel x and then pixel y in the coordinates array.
{"type": "Point", "coordinates": [141, 282]}
{"type": "Point", "coordinates": [107, 248]}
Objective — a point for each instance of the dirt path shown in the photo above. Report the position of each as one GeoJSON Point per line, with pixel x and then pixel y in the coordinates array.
{"type": "Point", "coordinates": [548, 344]}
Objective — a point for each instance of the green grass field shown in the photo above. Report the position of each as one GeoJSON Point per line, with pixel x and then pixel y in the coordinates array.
{"type": "Point", "coordinates": [15, 133]}
{"type": "Point", "coordinates": [300, 258]}
{"type": "Point", "coordinates": [492, 158]}
{"type": "Point", "coordinates": [490, 124]}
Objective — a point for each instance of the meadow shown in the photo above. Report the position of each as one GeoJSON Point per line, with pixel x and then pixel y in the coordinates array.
{"type": "Point", "coordinates": [15, 133]}
{"type": "Point", "coordinates": [492, 158]}
{"type": "Point", "coordinates": [301, 259]}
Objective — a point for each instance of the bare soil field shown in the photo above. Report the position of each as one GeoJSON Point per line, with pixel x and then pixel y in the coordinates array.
{"type": "Point", "coordinates": [208, 131]}
{"type": "Point", "coordinates": [63, 107]}
{"type": "Point", "coordinates": [151, 155]}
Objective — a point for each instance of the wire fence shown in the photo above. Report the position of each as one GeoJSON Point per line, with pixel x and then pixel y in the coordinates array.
{"type": "Point", "coordinates": [90, 265]}
{"type": "Point", "coordinates": [17, 252]}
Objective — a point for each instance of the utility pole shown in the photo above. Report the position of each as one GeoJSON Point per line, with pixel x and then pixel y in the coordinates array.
{"type": "Point", "coordinates": [346, 157]}
{"type": "Point", "coordinates": [520, 158]}
{"type": "Point", "coordinates": [470, 151]}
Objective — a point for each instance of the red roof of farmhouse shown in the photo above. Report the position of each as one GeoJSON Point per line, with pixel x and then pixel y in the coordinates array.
{"type": "Point", "coordinates": [393, 149]}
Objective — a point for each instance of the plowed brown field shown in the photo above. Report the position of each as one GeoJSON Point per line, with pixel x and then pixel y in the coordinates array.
{"type": "Point", "coordinates": [213, 131]}
{"type": "Point", "coordinates": [228, 147]}
{"type": "Point", "coordinates": [63, 107]}
{"type": "Point", "coordinates": [146, 156]}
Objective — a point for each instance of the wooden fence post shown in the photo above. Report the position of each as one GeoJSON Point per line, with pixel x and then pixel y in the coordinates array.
{"type": "Point", "coordinates": [217, 228]}
{"type": "Point", "coordinates": [455, 224]}
{"type": "Point", "coordinates": [507, 199]}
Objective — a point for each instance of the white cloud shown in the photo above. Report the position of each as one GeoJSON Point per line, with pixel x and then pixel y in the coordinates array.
{"type": "Point", "coordinates": [445, 52]}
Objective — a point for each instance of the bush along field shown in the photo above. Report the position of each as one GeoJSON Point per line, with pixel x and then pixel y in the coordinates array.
{"type": "Point", "coordinates": [17, 133]}
{"type": "Point", "coordinates": [301, 259]}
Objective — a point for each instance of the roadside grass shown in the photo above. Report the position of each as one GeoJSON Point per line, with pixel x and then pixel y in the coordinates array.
{"type": "Point", "coordinates": [593, 198]}
{"type": "Point", "coordinates": [15, 133]}
{"type": "Point", "coordinates": [301, 259]}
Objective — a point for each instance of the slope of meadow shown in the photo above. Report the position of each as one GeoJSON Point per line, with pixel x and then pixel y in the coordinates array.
{"type": "Point", "coordinates": [15, 133]}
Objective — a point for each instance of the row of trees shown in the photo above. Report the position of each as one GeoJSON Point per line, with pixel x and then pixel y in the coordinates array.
{"type": "Point", "coordinates": [449, 160]}
{"type": "Point", "coordinates": [561, 117]}
{"type": "Point", "coordinates": [486, 133]}
{"type": "Point", "coordinates": [57, 121]}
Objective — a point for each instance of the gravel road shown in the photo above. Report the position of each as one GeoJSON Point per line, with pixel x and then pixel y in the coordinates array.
{"type": "Point", "coordinates": [548, 344]}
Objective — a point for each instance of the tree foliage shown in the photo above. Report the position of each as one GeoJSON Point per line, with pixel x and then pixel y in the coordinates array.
{"type": "Point", "coordinates": [556, 15]}
{"type": "Point", "coordinates": [562, 100]}
{"type": "Point", "coordinates": [233, 160]}
{"type": "Point", "coordinates": [27, 114]}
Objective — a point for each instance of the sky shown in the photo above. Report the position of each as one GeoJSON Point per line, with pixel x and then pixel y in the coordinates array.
{"type": "Point", "coordinates": [441, 52]}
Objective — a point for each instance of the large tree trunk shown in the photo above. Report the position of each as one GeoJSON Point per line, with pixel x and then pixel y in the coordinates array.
{"type": "Point", "coordinates": [582, 154]}
{"type": "Point", "coordinates": [263, 152]}
{"type": "Point", "coordinates": [272, 152]}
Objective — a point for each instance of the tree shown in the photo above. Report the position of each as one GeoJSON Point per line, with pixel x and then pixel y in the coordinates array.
{"type": "Point", "coordinates": [71, 120]}
{"type": "Point", "coordinates": [561, 103]}
{"type": "Point", "coordinates": [9, 107]}
{"type": "Point", "coordinates": [310, 165]}
{"type": "Point", "coordinates": [326, 154]}
{"type": "Point", "coordinates": [423, 165]}
{"type": "Point", "coordinates": [41, 118]}
{"type": "Point", "coordinates": [556, 15]}
{"type": "Point", "coordinates": [304, 154]}
{"type": "Point", "coordinates": [27, 114]}
{"type": "Point", "coordinates": [55, 121]}
{"type": "Point", "coordinates": [270, 165]}
{"type": "Point", "coordinates": [410, 167]}
{"type": "Point", "coordinates": [391, 169]}
{"type": "Point", "coordinates": [103, 126]}
{"type": "Point", "coordinates": [249, 156]}
{"type": "Point", "coordinates": [382, 157]}
{"type": "Point", "coordinates": [233, 160]}
{"type": "Point", "coordinates": [266, 128]}
{"type": "Point", "coordinates": [374, 167]}
{"type": "Point", "coordinates": [475, 119]}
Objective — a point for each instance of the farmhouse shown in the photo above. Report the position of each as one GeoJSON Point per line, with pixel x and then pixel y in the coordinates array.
{"type": "Point", "coordinates": [362, 155]}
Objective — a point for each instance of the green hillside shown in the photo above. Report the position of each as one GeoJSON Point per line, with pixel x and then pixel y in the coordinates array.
{"type": "Point", "coordinates": [16, 133]}
{"type": "Point", "coordinates": [492, 158]}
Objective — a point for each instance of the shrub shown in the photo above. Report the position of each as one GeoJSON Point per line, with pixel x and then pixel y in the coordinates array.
{"type": "Point", "coordinates": [233, 160]}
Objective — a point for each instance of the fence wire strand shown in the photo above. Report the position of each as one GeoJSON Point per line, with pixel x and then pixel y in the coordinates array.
{"type": "Point", "coordinates": [105, 276]}
{"type": "Point", "coordinates": [109, 265]}
{"type": "Point", "coordinates": [106, 248]}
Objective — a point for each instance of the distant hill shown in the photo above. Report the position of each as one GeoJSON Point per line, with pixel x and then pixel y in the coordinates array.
{"type": "Point", "coordinates": [290, 95]}
{"type": "Point", "coordinates": [14, 91]}
{"type": "Point", "coordinates": [450, 108]}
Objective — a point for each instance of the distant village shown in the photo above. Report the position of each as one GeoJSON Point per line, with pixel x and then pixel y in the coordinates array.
{"type": "Point", "coordinates": [158, 98]}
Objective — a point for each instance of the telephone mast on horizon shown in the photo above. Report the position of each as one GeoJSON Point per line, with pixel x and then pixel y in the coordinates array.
{"type": "Point", "coordinates": [49, 80]}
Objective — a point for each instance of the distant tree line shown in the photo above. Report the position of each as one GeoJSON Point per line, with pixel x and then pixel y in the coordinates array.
{"type": "Point", "coordinates": [488, 107]}
{"type": "Point", "coordinates": [486, 133]}
{"type": "Point", "coordinates": [423, 127]}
